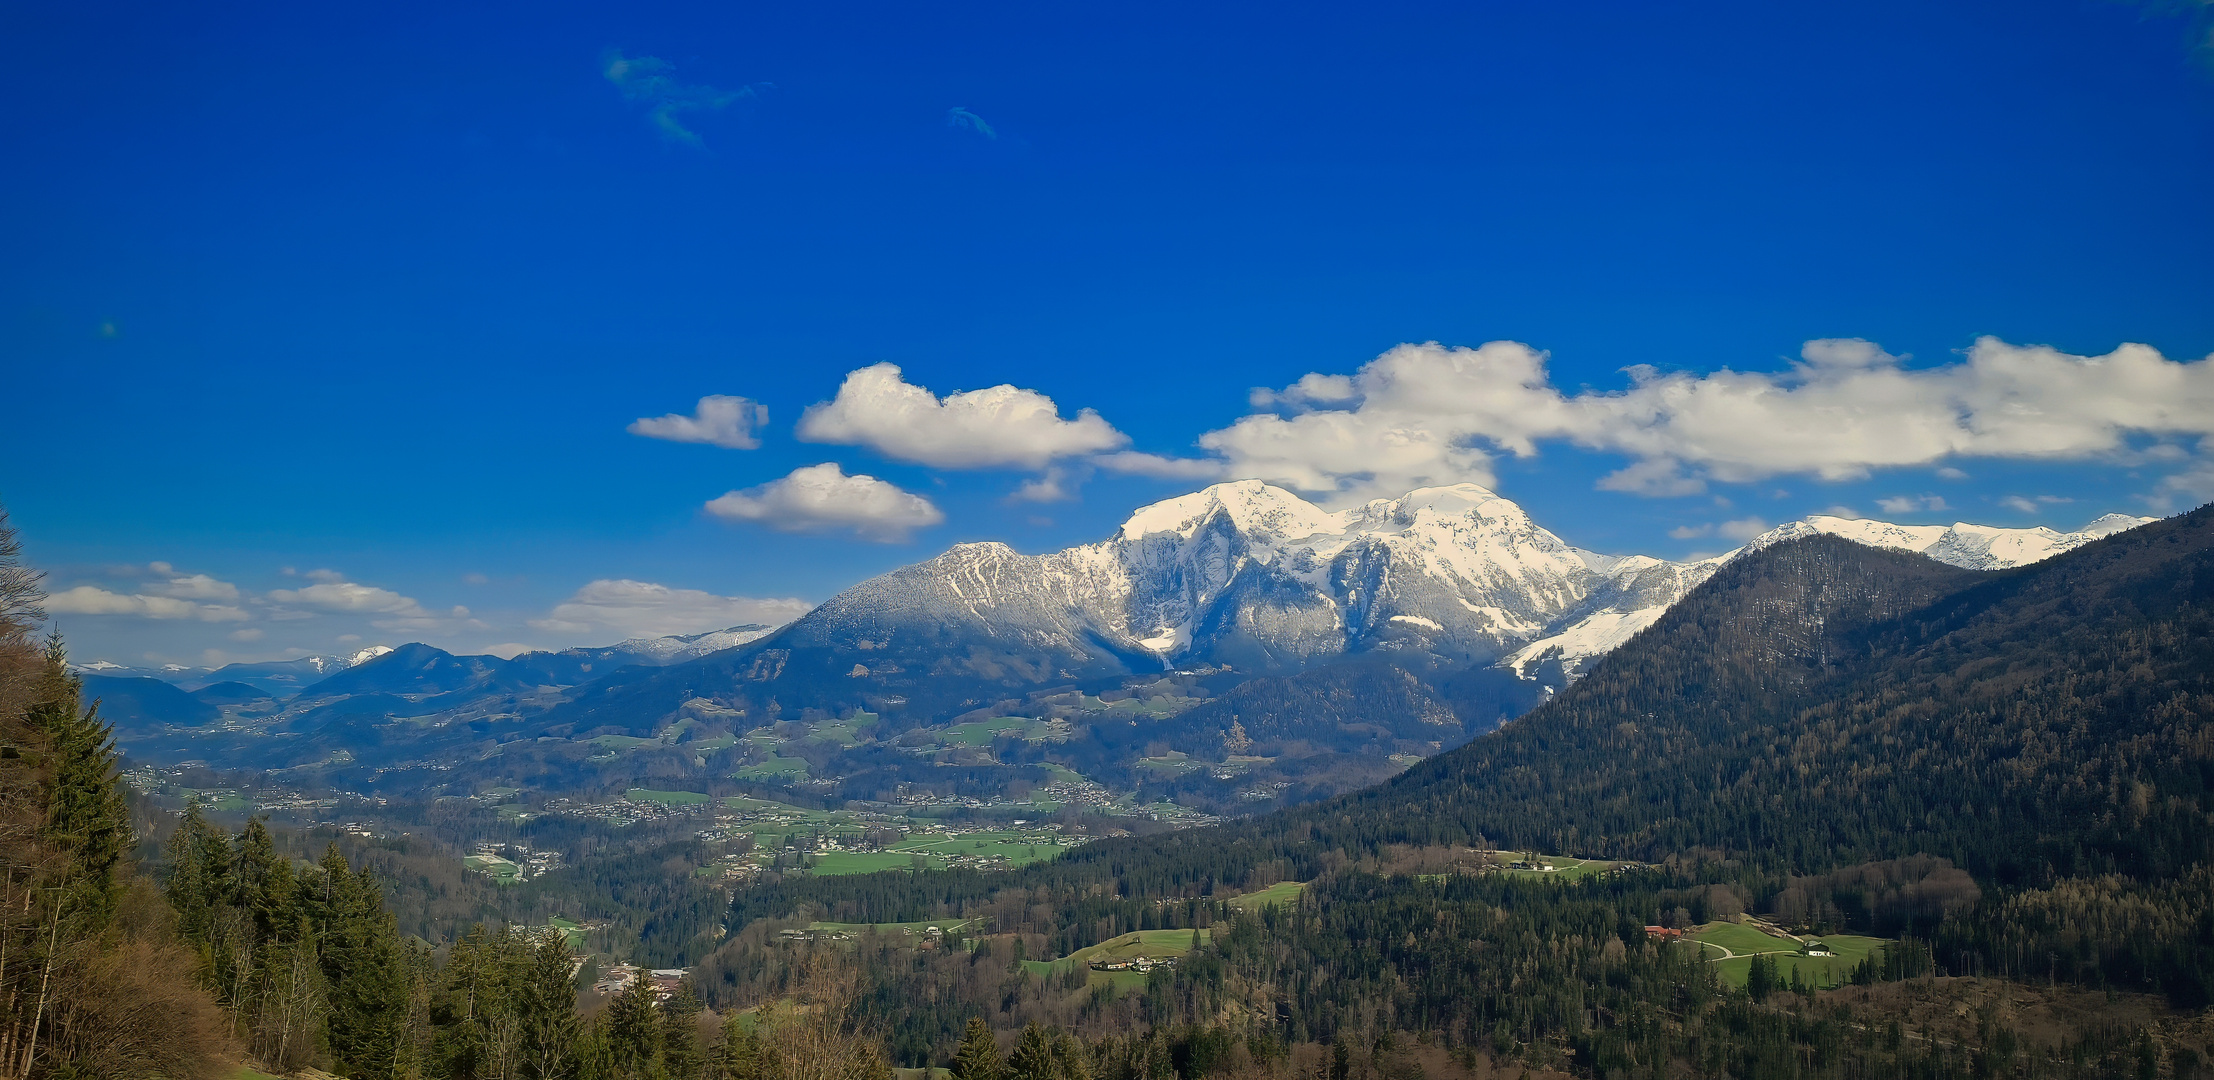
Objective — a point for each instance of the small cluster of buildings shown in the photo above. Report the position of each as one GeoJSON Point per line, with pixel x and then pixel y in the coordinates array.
{"type": "Point", "coordinates": [1140, 964]}
{"type": "Point", "coordinates": [618, 979]}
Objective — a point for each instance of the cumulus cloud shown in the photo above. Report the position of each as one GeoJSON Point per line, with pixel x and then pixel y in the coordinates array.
{"type": "Point", "coordinates": [1000, 426]}
{"type": "Point", "coordinates": [649, 80]}
{"type": "Point", "coordinates": [1846, 512]}
{"type": "Point", "coordinates": [1912, 504]}
{"type": "Point", "coordinates": [91, 600]}
{"type": "Point", "coordinates": [718, 420]}
{"type": "Point", "coordinates": [645, 609]}
{"type": "Point", "coordinates": [1429, 414]}
{"type": "Point", "coordinates": [1687, 532]}
{"type": "Point", "coordinates": [818, 498]}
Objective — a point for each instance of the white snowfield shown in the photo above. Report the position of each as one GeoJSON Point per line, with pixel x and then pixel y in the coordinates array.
{"type": "Point", "coordinates": [1251, 574]}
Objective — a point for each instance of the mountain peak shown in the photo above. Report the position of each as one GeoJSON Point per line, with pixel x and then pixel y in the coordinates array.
{"type": "Point", "coordinates": [1255, 507]}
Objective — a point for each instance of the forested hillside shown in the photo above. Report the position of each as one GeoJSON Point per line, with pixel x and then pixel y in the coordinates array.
{"type": "Point", "coordinates": [2015, 769]}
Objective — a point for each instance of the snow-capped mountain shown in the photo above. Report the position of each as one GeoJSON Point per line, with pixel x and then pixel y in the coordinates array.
{"type": "Point", "coordinates": [1974, 547]}
{"type": "Point", "coordinates": [677, 648]}
{"type": "Point", "coordinates": [1253, 576]}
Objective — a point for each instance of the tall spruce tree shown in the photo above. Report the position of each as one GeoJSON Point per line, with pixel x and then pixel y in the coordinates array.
{"type": "Point", "coordinates": [1033, 1057]}
{"type": "Point", "coordinates": [86, 816]}
{"type": "Point", "coordinates": [549, 1000]}
{"type": "Point", "coordinates": [680, 1042]}
{"type": "Point", "coordinates": [978, 1056]}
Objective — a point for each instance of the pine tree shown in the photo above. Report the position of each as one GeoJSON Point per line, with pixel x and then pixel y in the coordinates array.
{"type": "Point", "coordinates": [1033, 1057]}
{"type": "Point", "coordinates": [680, 1043]}
{"type": "Point", "coordinates": [978, 1057]}
{"type": "Point", "coordinates": [1071, 1059]}
{"type": "Point", "coordinates": [738, 1054]}
{"type": "Point", "coordinates": [631, 1028]}
{"type": "Point", "coordinates": [86, 815]}
{"type": "Point", "coordinates": [549, 1000]}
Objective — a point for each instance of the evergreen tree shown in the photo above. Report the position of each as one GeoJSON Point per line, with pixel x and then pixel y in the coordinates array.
{"type": "Point", "coordinates": [680, 1044]}
{"type": "Point", "coordinates": [1033, 1057]}
{"type": "Point", "coordinates": [549, 1001]}
{"type": "Point", "coordinates": [1760, 979]}
{"type": "Point", "coordinates": [978, 1057]}
{"type": "Point", "coordinates": [738, 1054]}
{"type": "Point", "coordinates": [631, 1029]}
{"type": "Point", "coordinates": [86, 816]}
{"type": "Point", "coordinates": [1070, 1058]}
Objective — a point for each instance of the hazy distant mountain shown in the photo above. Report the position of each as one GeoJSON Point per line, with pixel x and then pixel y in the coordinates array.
{"type": "Point", "coordinates": [284, 678]}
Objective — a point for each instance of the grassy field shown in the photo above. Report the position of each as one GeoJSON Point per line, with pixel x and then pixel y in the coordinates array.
{"type": "Point", "coordinates": [623, 742]}
{"type": "Point", "coordinates": [833, 863]}
{"type": "Point", "coordinates": [499, 869]}
{"type": "Point", "coordinates": [982, 732]}
{"type": "Point", "coordinates": [1745, 941]}
{"type": "Point", "coordinates": [1282, 894]}
{"type": "Point", "coordinates": [1153, 943]}
{"type": "Point", "coordinates": [1823, 971]}
{"type": "Point", "coordinates": [667, 798]}
{"type": "Point", "coordinates": [846, 732]}
{"type": "Point", "coordinates": [711, 744]}
{"type": "Point", "coordinates": [775, 766]}
{"type": "Point", "coordinates": [570, 931]}
{"type": "Point", "coordinates": [1741, 939]}
{"type": "Point", "coordinates": [1564, 868]}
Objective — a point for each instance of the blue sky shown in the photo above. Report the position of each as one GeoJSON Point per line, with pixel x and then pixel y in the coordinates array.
{"type": "Point", "coordinates": [378, 292]}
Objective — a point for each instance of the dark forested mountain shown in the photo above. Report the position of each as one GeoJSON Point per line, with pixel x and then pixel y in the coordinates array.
{"type": "Point", "coordinates": [153, 699]}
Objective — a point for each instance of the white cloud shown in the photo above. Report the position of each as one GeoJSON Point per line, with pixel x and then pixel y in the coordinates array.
{"type": "Point", "coordinates": [644, 609]}
{"type": "Point", "coordinates": [1163, 468]}
{"type": "Point", "coordinates": [1428, 414]}
{"type": "Point", "coordinates": [718, 420]}
{"type": "Point", "coordinates": [1742, 528]}
{"type": "Point", "coordinates": [1002, 426]}
{"type": "Point", "coordinates": [90, 600]}
{"type": "Point", "coordinates": [1056, 484]}
{"type": "Point", "coordinates": [2029, 505]}
{"type": "Point", "coordinates": [1846, 512]}
{"type": "Point", "coordinates": [350, 598]}
{"type": "Point", "coordinates": [2185, 490]}
{"type": "Point", "coordinates": [195, 587]}
{"type": "Point", "coordinates": [1687, 532]}
{"type": "Point", "coordinates": [821, 497]}
{"type": "Point", "coordinates": [251, 633]}
{"type": "Point", "coordinates": [1912, 504]}
{"type": "Point", "coordinates": [1950, 473]}
{"type": "Point", "coordinates": [323, 575]}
